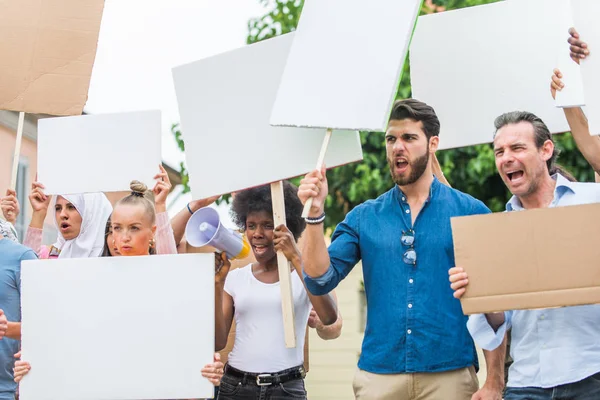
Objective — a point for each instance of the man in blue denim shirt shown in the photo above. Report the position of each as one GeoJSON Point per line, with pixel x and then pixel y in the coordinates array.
{"type": "Point", "coordinates": [556, 352]}
{"type": "Point", "coordinates": [416, 344]}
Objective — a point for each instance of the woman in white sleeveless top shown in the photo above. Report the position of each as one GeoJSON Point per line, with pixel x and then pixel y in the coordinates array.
{"type": "Point", "coordinates": [260, 366]}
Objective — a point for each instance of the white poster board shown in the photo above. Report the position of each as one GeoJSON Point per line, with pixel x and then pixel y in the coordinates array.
{"type": "Point", "coordinates": [344, 66]}
{"type": "Point", "coordinates": [98, 153]}
{"type": "Point", "coordinates": [118, 327]}
{"type": "Point", "coordinates": [585, 20]}
{"type": "Point", "coordinates": [225, 102]}
{"type": "Point", "coordinates": [474, 64]}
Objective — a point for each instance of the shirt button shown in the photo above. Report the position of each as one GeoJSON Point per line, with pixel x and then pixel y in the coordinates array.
{"type": "Point", "coordinates": [408, 211]}
{"type": "Point", "coordinates": [410, 306]}
{"type": "Point", "coordinates": [409, 331]}
{"type": "Point", "coordinates": [410, 280]}
{"type": "Point", "coordinates": [404, 199]}
{"type": "Point", "coordinates": [542, 317]}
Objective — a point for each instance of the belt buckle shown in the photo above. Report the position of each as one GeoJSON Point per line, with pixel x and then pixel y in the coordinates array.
{"type": "Point", "coordinates": [258, 381]}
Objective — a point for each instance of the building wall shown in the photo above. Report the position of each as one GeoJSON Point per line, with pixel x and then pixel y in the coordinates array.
{"type": "Point", "coordinates": [28, 156]}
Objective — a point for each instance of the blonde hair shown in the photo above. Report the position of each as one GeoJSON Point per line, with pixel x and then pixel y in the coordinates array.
{"type": "Point", "coordinates": [140, 195]}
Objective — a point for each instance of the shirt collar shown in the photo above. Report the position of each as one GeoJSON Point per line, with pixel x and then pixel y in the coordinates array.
{"type": "Point", "coordinates": [432, 190]}
{"type": "Point", "coordinates": [563, 185]}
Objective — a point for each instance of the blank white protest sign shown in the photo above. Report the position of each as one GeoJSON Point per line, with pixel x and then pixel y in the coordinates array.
{"type": "Point", "coordinates": [474, 64]}
{"type": "Point", "coordinates": [225, 103]}
{"type": "Point", "coordinates": [344, 66]}
{"type": "Point", "coordinates": [585, 19]}
{"type": "Point", "coordinates": [98, 153]}
{"type": "Point", "coordinates": [118, 327]}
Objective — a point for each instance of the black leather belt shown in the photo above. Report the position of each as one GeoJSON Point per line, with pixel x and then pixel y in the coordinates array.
{"type": "Point", "coordinates": [266, 379]}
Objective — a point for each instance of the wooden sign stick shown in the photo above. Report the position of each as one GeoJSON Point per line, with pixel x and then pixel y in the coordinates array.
{"type": "Point", "coordinates": [320, 161]}
{"type": "Point", "coordinates": [285, 278]}
{"type": "Point", "coordinates": [15, 166]}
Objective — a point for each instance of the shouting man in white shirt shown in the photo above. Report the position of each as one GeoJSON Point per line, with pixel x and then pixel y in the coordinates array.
{"type": "Point", "coordinates": [556, 352]}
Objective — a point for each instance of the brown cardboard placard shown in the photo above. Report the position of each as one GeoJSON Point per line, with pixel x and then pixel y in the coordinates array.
{"type": "Point", "coordinates": [530, 259]}
{"type": "Point", "coordinates": [48, 49]}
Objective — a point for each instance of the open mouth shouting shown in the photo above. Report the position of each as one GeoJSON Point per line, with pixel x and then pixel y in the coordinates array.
{"type": "Point", "coordinates": [259, 249]}
{"type": "Point", "coordinates": [65, 226]}
{"type": "Point", "coordinates": [515, 176]}
{"type": "Point", "coordinates": [401, 165]}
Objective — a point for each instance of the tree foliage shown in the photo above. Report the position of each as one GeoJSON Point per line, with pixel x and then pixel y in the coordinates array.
{"type": "Point", "coordinates": [471, 169]}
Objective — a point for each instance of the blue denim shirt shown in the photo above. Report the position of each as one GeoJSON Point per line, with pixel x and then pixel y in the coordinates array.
{"type": "Point", "coordinates": [414, 324]}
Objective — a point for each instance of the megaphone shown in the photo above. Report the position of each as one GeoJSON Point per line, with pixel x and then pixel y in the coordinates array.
{"type": "Point", "coordinates": [205, 228]}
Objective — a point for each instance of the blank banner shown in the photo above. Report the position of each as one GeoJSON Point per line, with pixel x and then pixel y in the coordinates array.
{"type": "Point", "coordinates": [474, 64]}
{"type": "Point", "coordinates": [225, 103]}
{"type": "Point", "coordinates": [98, 153]}
{"type": "Point", "coordinates": [344, 66]}
{"type": "Point", "coordinates": [118, 328]}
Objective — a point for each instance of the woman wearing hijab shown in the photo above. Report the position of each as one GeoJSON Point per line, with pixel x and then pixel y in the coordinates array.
{"type": "Point", "coordinates": [79, 218]}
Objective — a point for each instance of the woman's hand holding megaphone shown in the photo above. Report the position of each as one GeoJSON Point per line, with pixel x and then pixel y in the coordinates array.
{"type": "Point", "coordinates": [222, 265]}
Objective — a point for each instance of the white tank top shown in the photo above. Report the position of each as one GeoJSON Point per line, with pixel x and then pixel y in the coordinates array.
{"type": "Point", "coordinates": [259, 340]}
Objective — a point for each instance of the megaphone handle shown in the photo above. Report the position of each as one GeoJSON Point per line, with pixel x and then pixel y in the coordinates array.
{"type": "Point", "coordinates": [320, 161]}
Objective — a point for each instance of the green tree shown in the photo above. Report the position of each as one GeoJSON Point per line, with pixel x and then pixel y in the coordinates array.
{"type": "Point", "coordinates": [471, 169]}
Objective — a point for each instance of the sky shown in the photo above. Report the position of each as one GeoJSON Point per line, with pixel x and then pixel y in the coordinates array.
{"type": "Point", "coordinates": [141, 40]}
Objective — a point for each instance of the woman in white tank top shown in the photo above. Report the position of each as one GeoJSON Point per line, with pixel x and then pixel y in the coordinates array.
{"type": "Point", "coordinates": [260, 366]}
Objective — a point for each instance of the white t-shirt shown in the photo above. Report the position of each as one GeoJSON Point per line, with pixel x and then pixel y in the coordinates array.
{"type": "Point", "coordinates": [259, 345]}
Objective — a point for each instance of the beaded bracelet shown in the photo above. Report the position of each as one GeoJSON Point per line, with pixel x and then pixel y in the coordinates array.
{"type": "Point", "coordinates": [315, 221]}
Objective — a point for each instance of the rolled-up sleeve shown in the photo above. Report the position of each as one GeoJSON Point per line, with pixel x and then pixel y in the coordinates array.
{"type": "Point", "coordinates": [483, 334]}
{"type": "Point", "coordinates": [344, 254]}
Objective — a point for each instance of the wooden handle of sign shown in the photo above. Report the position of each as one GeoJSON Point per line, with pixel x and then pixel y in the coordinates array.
{"type": "Point", "coordinates": [285, 278]}
{"type": "Point", "coordinates": [320, 161]}
{"type": "Point", "coordinates": [15, 166]}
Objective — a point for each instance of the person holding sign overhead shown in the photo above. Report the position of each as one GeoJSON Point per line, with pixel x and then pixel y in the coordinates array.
{"type": "Point", "coordinates": [587, 144]}
{"type": "Point", "coordinates": [80, 220]}
{"type": "Point", "coordinates": [260, 365]}
{"type": "Point", "coordinates": [416, 343]}
{"type": "Point", "coordinates": [556, 352]}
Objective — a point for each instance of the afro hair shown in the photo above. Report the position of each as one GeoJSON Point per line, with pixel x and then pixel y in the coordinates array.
{"type": "Point", "coordinates": [258, 199]}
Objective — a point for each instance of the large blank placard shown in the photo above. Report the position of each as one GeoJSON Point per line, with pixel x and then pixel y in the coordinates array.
{"type": "Point", "coordinates": [118, 327]}
{"type": "Point", "coordinates": [225, 103]}
{"type": "Point", "coordinates": [98, 153]}
{"type": "Point", "coordinates": [585, 20]}
{"type": "Point", "coordinates": [476, 63]}
{"type": "Point", "coordinates": [344, 67]}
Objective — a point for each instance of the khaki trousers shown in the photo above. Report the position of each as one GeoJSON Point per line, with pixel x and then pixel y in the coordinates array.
{"type": "Point", "coordinates": [459, 384]}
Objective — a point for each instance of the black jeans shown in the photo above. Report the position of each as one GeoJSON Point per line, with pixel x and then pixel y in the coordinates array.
{"type": "Point", "coordinates": [232, 388]}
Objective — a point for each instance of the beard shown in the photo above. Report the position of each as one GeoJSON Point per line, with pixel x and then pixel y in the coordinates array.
{"type": "Point", "coordinates": [417, 168]}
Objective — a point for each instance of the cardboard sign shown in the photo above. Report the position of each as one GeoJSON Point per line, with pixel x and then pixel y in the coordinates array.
{"type": "Point", "coordinates": [344, 66]}
{"type": "Point", "coordinates": [225, 103]}
{"type": "Point", "coordinates": [529, 259]}
{"type": "Point", "coordinates": [47, 53]}
{"type": "Point", "coordinates": [118, 327]}
{"type": "Point", "coordinates": [474, 64]}
{"type": "Point", "coordinates": [98, 153]}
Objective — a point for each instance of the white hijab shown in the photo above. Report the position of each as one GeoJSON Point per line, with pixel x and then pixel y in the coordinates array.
{"type": "Point", "coordinates": [94, 209]}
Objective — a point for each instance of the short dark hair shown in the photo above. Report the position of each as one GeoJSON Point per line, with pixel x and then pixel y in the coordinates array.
{"type": "Point", "coordinates": [418, 111]}
{"type": "Point", "coordinates": [258, 199]}
{"type": "Point", "coordinates": [541, 133]}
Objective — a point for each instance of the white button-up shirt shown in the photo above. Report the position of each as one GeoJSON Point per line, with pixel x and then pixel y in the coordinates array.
{"type": "Point", "coordinates": [550, 347]}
